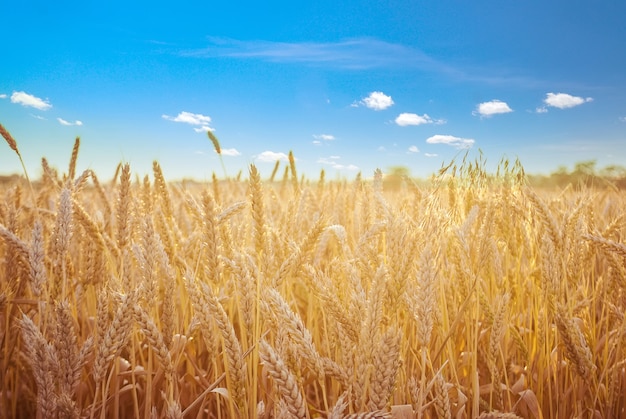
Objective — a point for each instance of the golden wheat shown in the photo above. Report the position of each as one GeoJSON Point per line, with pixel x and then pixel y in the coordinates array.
{"type": "Point", "coordinates": [470, 295]}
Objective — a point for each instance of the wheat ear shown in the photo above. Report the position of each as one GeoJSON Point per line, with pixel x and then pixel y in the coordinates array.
{"type": "Point", "coordinates": [258, 218]}
{"type": "Point", "coordinates": [576, 347]}
{"type": "Point", "coordinates": [63, 230]}
{"type": "Point", "coordinates": [218, 149]}
{"type": "Point", "coordinates": [208, 307]}
{"type": "Point", "coordinates": [162, 190]}
{"type": "Point", "coordinates": [13, 145]}
{"type": "Point", "coordinates": [277, 308]}
{"type": "Point", "coordinates": [386, 363]}
{"type": "Point", "coordinates": [122, 210]}
{"type": "Point", "coordinates": [43, 361]}
{"type": "Point", "coordinates": [73, 159]}
{"type": "Point", "coordinates": [284, 380]}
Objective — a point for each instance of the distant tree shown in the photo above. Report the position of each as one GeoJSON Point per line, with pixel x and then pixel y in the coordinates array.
{"type": "Point", "coordinates": [585, 168]}
{"type": "Point", "coordinates": [395, 176]}
{"type": "Point", "coordinates": [613, 171]}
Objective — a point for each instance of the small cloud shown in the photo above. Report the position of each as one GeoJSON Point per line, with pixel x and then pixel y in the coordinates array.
{"type": "Point", "coordinates": [493, 107]}
{"type": "Point", "coordinates": [67, 123]}
{"type": "Point", "coordinates": [230, 152]}
{"type": "Point", "coordinates": [26, 99]}
{"type": "Point", "coordinates": [377, 101]}
{"type": "Point", "coordinates": [456, 142]}
{"type": "Point", "coordinates": [317, 142]}
{"type": "Point", "coordinates": [192, 119]}
{"type": "Point", "coordinates": [204, 128]}
{"type": "Point", "coordinates": [564, 101]}
{"type": "Point", "coordinates": [413, 149]}
{"type": "Point", "coordinates": [271, 157]}
{"type": "Point", "coordinates": [38, 117]}
{"type": "Point", "coordinates": [327, 160]}
{"type": "Point", "coordinates": [406, 119]}
{"type": "Point", "coordinates": [324, 137]}
{"type": "Point", "coordinates": [622, 118]}
{"type": "Point", "coordinates": [541, 109]}
{"type": "Point", "coordinates": [3, 96]}
{"type": "Point", "coordinates": [381, 148]}
{"type": "Point", "coordinates": [333, 162]}
{"type": "Point", "coordinates": [431, 154]}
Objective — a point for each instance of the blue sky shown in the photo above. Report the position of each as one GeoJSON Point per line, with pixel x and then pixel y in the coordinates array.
{"type": "Point", "coordinates": [348, 86]}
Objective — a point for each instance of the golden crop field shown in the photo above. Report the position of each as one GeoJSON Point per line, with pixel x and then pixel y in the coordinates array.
{"type": "Point", "coordinates": [470, 295]}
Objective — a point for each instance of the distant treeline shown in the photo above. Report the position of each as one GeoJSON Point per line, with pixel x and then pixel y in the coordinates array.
{"type": "Point", "coordinates": [585, 173]}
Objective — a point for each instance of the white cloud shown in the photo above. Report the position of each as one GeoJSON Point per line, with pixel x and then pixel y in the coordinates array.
{"type": "Point", "coordinates": [271, 156]}
{"type": "Point", "coordinates": [68, 123]}
{"type": "Point", "coordinates": [190, 118]}
{"type": "Point", "coordinates": [493, 107]}
{"type": "Point", "coordinates": [431, 154]}
{"type": "Point", "coordinates": [324, 137]}
{"type": "Point", "coordinates": [204, 128]}
{"type": "Point", "coordinates": [406, 119]}
{"type": "Point", "coordinates": [541, 109]}
{"type": "Point", "coordinates": [327, 160]}
{"type": "Point", "coordinates": [230, 152]}
{"type": "Point", "coordinates": [3, 96]}
{"type": "Point", "coordinates": [377, 101]}
{"type": "Point", "coordinates": [333, 162]}
{"type": "Point", "coordinates": [317, 142]}
{"type": "Point", "coordinates": [622, 118]}
{"type": "Point", "coordinates": [450, 140]}
{"type": "Point", "coordinates": [26, 99]}
{"type": "Point", "coordinates": [413, 149]}
{"type": "Point", "coordinates": [564, 101]}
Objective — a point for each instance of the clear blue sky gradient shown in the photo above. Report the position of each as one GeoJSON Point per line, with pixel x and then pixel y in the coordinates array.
{"type": "Point", "coordinates": [139, 81]}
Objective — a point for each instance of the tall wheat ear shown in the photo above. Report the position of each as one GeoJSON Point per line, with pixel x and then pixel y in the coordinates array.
{"type": "Point", "coordinates": [13, 145]}
{"type": "Point", "coordinates": [218, 148]}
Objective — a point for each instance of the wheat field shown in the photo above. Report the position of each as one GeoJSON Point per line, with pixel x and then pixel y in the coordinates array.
{"type": "Point", "coordinates": [470, 295]}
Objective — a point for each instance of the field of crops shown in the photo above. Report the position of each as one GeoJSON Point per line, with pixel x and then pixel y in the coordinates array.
{"type": "Point", "coordinates": [470, 295]}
